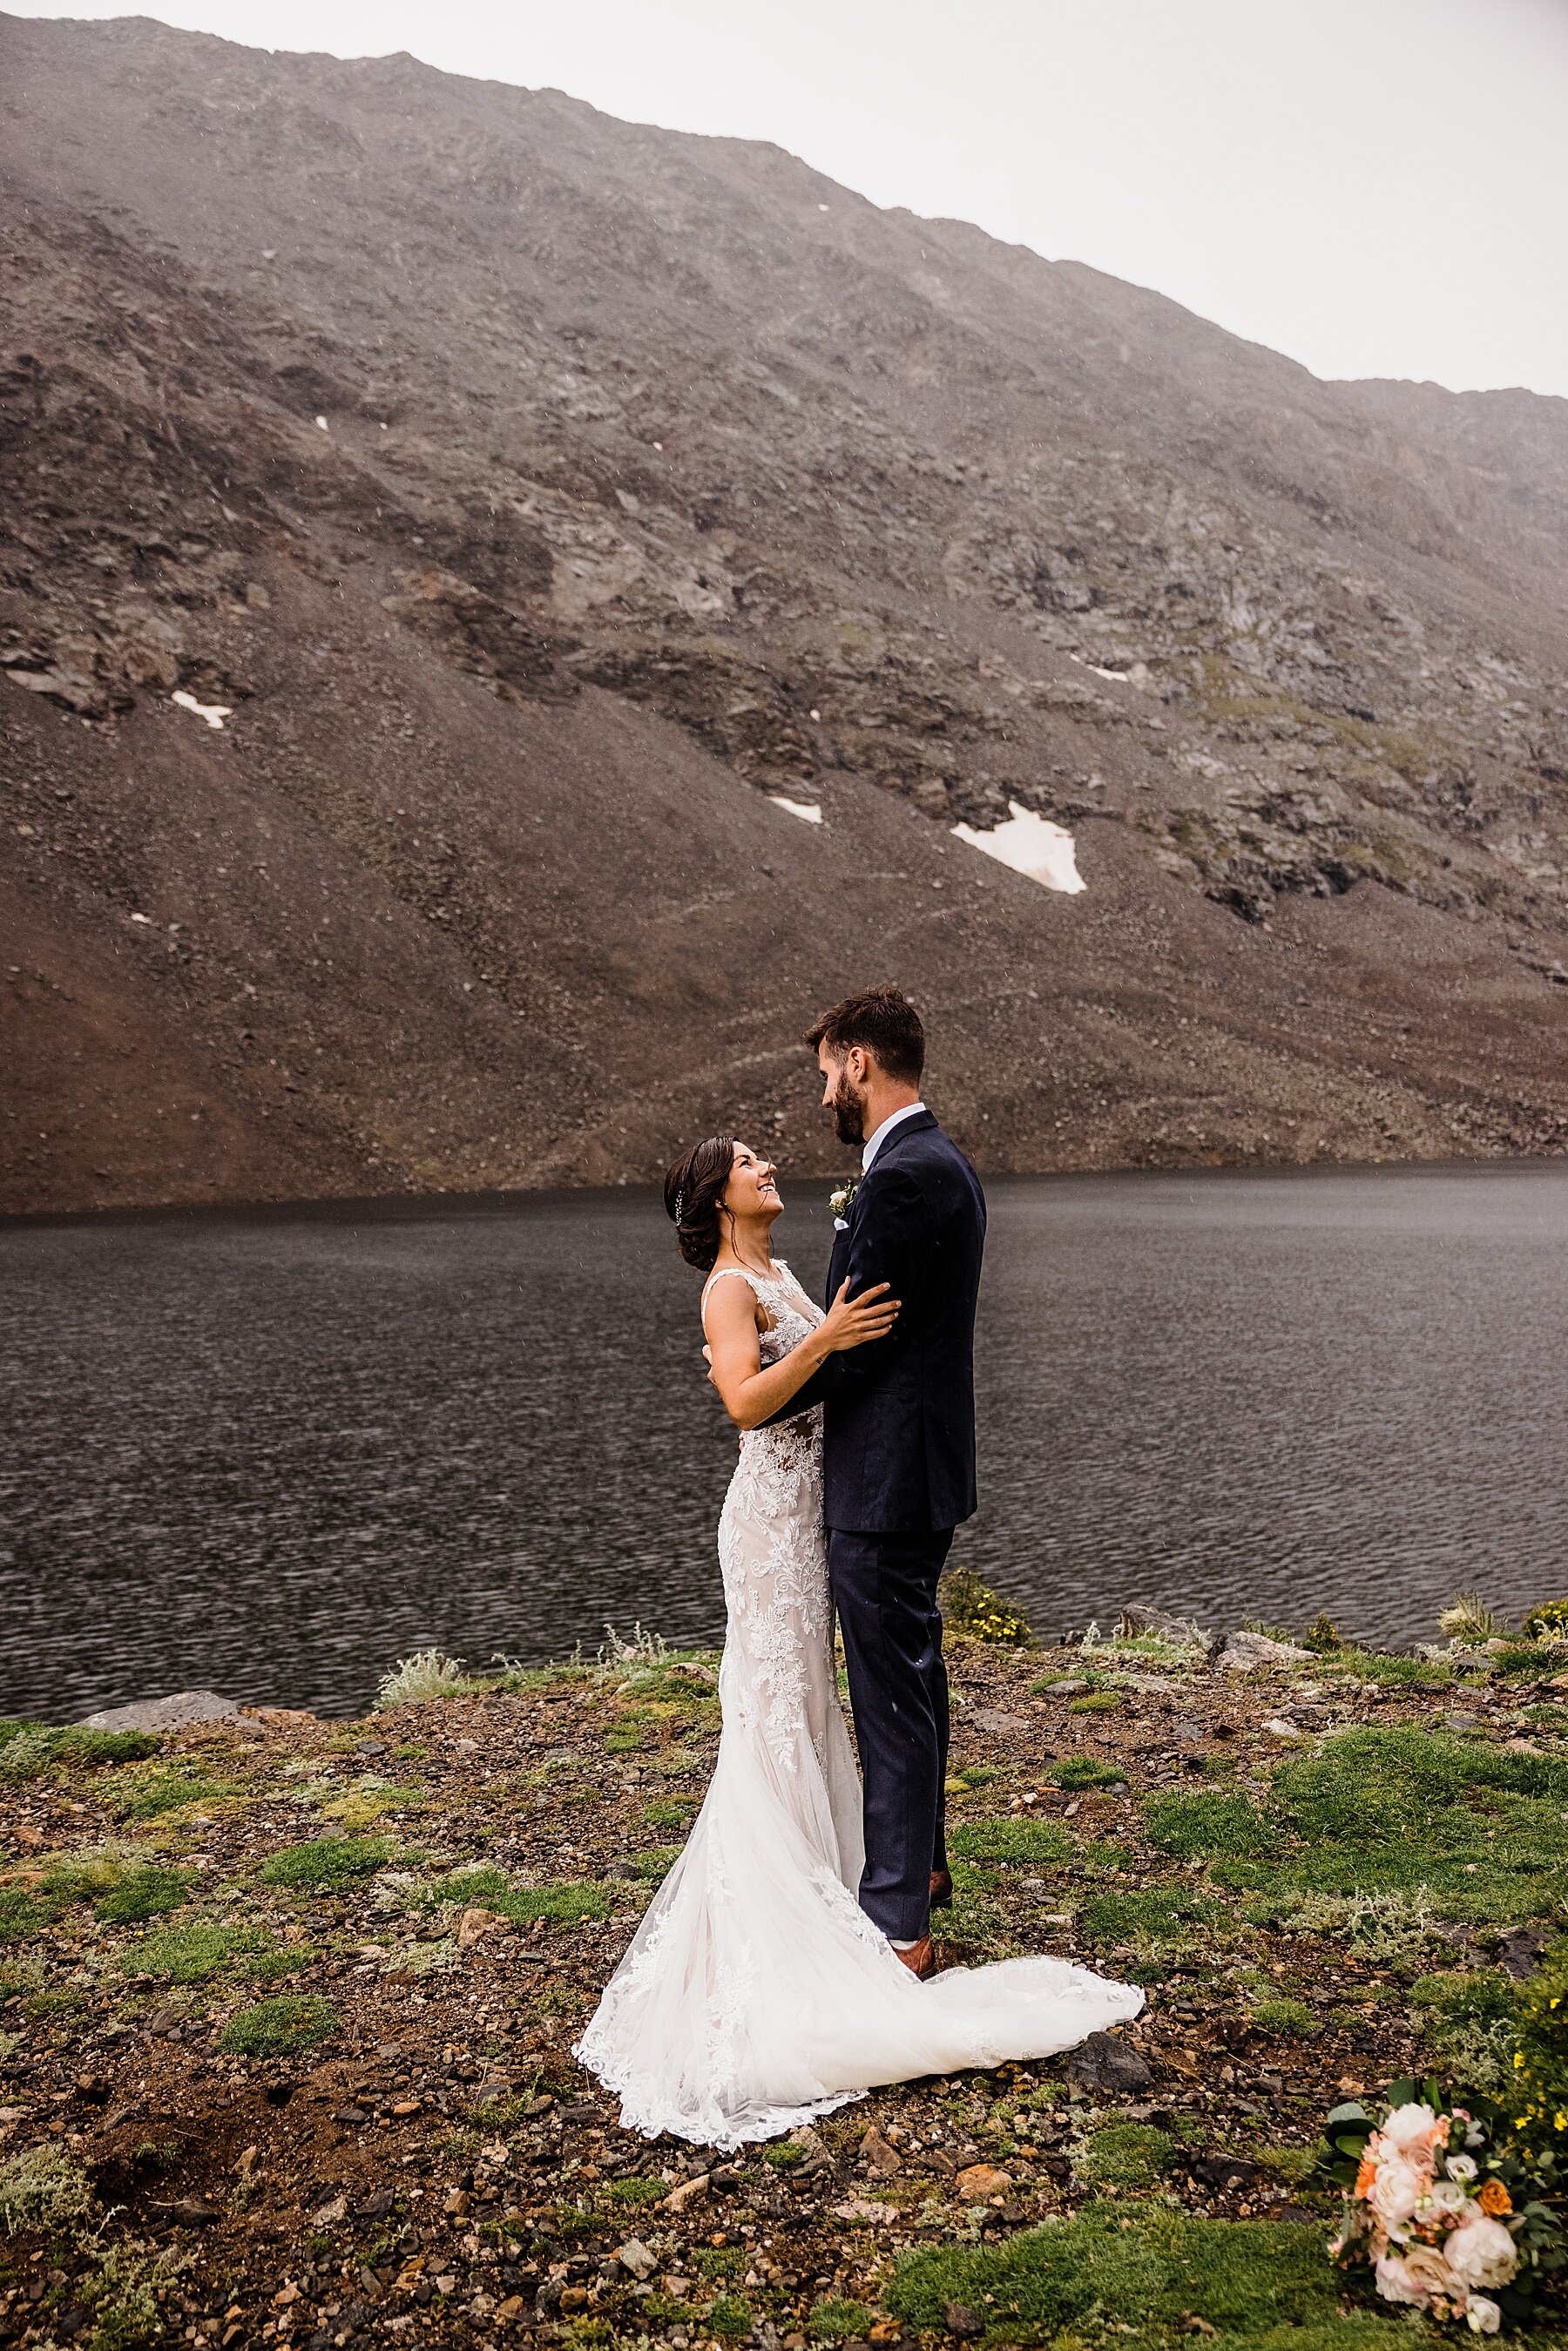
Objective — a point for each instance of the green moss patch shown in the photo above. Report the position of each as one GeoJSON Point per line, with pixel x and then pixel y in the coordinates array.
{"type": "Point", "coordinates": [1017, 1838]}
{"type": "Point", "coordinates": [168, 1788]}
{"type": "Point", "coordinates": [1153, 2270]}
{"type": "Point", "coordinates": [1079, 1773]}
{"type": "Point", "coordinates": [195, 1954]}
{"type": "Point", "coordinates": [836, 2322]}
{"type": "Point", "coordinates": [324, 1863]}
{"type": "Point", "coordinates": [279, 2028]}
{"type": "Point", "coordinates": [565, 1904]}
{"type": "Point", "coordinates": [1126, 2155]}
{"type": "Point", "coordinates": [1162, 1918]}
{"type": "Point", "coordinates": [28, 1750]}
{"type": "Point", "coordinates": [1209, 1824]}
{"type": "Point", "coordinates": [672, 1812]}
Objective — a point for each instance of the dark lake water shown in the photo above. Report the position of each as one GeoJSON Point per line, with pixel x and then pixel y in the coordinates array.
{"type": "Point", "coordinates": [271, 1453]}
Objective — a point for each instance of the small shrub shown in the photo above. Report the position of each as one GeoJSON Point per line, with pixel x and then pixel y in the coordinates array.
{"type": "Point", "coordinates": [1539, 2096]}
{"type": "Point", "coordinates": [1126, 2155]}
{"type": "Point", "coordinates": [835, 2321]}
{"type": "Point", "coordinates": [1096, 1702]}
{"type": "Point", "coordinates": [1519, 1657]}
{"type": "Point", "coordinates": [43, 2188]}
{"type": "Point", "coordinates": [1547, 1621]}
{"type": "Point", "coordinates": [1322, 1635]}
{"type": "Point", "coordinates": [1012, 1839]}
{"type": "Point", "coordinates": [426, 1675]}
{"type": "Point", "coordinates": [783, 2154]}
{"type": "Point", "coordinates": [125, 2291]}
{"type": "Point", "coordinates": [279, 2028]}
{"type": "Point", "coordinates": [1468, 1620]}
{"type": "Point", "coordinates": [973, 1612]}
{"type": "Point", "coordinates": [325, 1861]}
{"type": "Point", "coordinates": [644, 1648]}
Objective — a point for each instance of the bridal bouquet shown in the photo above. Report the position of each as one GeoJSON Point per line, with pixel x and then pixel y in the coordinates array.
{"type": "Point", "coordinates": [1439, 2205]}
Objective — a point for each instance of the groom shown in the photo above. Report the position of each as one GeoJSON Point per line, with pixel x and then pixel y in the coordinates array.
{"type": "Point", "coordinates": [898, 1443]}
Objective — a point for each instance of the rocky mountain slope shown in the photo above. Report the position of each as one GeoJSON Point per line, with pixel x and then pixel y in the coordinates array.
{"type": "Point", "coordinates": [522, 504]}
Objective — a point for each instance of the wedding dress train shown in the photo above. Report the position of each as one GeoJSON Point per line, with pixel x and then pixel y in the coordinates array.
{"type": "Point", "coordinates": [756, 1993]}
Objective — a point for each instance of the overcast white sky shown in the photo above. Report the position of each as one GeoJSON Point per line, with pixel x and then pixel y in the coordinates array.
{"type": "Point", "coordinates": [1377, 187]}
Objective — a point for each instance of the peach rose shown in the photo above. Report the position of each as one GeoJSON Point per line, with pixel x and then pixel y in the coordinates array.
{"type": "Point", "coordinates": [1416, 2133]}
{"type": "Point", "coordinates": [1397, 2189]}
{"type": "Point", "coordinates": [1494, 2199]}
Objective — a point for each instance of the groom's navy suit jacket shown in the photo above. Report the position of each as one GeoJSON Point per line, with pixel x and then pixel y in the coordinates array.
{"type": "Point", "coordinates": [898, 1437]}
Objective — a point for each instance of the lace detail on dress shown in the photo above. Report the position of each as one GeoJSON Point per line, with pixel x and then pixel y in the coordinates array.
{"type": "Point", "coordinates": [770, 1543]}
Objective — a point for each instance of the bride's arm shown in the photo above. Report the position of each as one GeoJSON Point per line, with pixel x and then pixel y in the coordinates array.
{"type": "Point", "coordinates": [752, 1393]}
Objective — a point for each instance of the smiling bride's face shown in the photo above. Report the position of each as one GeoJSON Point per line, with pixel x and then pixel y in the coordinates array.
{"type": "Point", "coordinates": [751, 1194]}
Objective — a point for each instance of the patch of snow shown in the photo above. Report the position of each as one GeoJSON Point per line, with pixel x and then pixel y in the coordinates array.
{"type": "Point", "coordinates": [1031, 845]}
{"type": "Point", "coordinates": [215, 713]}
{"type": "Point", "coordinates": [1137, 676]}
{"type": "Point", "coordinates": [806, 810]}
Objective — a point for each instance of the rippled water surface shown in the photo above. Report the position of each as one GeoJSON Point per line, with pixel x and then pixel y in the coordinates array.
{"type": "Point", "coordinates": [271, 1453]}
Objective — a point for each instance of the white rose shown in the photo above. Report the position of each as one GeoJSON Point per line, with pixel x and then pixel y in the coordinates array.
{"type": "Point", "coordinates": [1482, 2253]}
{"type": "Point", "coordinates": [1461, 2166]}
{"type": "Point", "coordinates": [1395, 2283]}
{"type": "Point", "coordinates": [1449, 2195]}
{"type": "Point", "coordinates": [1396, 2189]}
{"type": "Point", "coordinates": [1482, 2315]}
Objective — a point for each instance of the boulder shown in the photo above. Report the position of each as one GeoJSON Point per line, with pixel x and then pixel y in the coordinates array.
{"type": "Point", "coordinates": [173, 1713]}
{"type": "Point", "coordinates": [1103, 2062]}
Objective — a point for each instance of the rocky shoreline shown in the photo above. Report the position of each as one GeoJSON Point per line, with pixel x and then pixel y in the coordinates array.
{"type": "Point", "coordinates": [288, 2004]}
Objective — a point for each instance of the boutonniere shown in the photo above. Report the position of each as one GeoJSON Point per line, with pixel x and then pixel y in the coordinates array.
{"type": "Point", "coordinates": [843, 1200]}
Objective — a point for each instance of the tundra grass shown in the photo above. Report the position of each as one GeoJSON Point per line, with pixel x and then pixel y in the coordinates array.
{"type": "Point", "coordinates": [1481, 1830]}
{"type": "Point", "coordinates": [1152, 2269]}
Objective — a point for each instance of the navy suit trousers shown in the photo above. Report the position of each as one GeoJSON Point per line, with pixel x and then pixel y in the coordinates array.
{"type": "Point", "coordinates": [885, 1589]}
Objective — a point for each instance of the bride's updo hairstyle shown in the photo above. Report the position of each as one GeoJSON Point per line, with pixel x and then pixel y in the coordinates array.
{"type": "Point", "coordinates": [692, 1190]}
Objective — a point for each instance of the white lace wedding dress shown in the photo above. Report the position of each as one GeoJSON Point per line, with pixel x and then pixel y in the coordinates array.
{"type": "Point", "coordinates": [756, 1993]}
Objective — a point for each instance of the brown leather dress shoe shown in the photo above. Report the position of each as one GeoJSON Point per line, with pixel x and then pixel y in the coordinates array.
{"type": "Point", "coordinates": [918, 1959]}
{"type": "Point", "coordinates": [941, 1889]}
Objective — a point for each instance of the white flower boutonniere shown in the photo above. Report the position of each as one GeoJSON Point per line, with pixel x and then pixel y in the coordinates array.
{"type": "Point", "coordinates": [843, 1200]}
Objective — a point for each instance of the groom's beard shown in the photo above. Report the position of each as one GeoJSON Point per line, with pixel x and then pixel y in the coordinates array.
{"type": "Point", "coordinates": [849, 1111]}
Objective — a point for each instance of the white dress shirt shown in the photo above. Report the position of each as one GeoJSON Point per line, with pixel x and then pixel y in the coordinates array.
{"type": "Point", "coordinates": [873, 1143]}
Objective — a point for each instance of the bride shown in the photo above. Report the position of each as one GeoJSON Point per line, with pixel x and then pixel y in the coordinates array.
{"type": "Point", "coordinates": [756, 1993]}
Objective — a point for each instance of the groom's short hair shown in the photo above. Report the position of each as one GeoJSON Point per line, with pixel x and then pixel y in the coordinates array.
{"type": "Point", "coordinates": [884, 1023]}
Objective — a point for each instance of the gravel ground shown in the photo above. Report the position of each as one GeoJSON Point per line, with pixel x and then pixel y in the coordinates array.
{"type": "Point", "coordinates": [288, 2007]}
